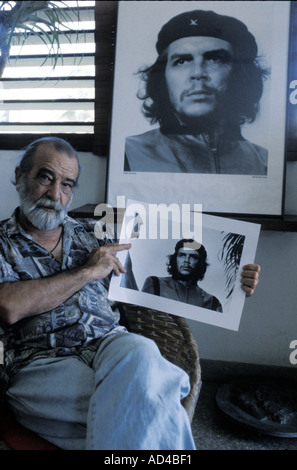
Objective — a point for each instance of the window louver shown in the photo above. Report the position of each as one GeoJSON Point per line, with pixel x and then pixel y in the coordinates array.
{"type": "Point", "coordinates": [37, 99]}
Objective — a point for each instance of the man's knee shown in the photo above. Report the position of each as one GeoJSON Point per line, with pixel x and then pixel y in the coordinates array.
{"type": "Point", "coordinates": [145, 360]}
{"type": "Point", "coordinates": [125, 348]}
{"type": "Point", "coordinates": [143, 344]}
{"type": "Point", "coordinates": [139, 349]}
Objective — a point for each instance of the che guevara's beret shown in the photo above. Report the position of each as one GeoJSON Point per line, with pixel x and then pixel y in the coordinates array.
{"type": "Point", "coordinates": [211, 24]}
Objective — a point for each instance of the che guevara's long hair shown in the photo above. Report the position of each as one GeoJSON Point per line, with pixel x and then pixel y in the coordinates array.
{"type": "Point", "coordinates": [243, 98]}
{"type": "Point", "coordinates": [201, 267]}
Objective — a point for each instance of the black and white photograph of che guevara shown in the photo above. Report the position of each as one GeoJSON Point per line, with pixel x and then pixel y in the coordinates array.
{"type": "Point", "coordinates": [186, 268]}
{"type": "Point", "coordinates": [197, 278]}
{"type": "Point", "coordinates": [205, 84]}
{"type": "Point", "coordinates": [186, 271]}
{"type": "Point", "coordinates": [199, 104]}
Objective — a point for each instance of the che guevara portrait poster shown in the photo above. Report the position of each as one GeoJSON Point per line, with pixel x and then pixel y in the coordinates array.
{"type": "Point", "coordinates": [199, 104]}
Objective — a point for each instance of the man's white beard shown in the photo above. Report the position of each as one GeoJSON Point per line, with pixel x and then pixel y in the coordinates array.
{"type": "Point", "coordinates": [35, 211]}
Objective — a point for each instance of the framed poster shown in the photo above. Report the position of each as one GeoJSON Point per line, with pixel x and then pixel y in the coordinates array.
{"type": "Point", "coordinates": [194, 120]}
{"type": "Point", "coordinates": [190, 269]}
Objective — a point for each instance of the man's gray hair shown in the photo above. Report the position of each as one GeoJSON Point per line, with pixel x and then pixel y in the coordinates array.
{"type": "Point", "coordinates": [59, 144]}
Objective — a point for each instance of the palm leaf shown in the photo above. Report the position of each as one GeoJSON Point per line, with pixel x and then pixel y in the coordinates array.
{"type": "Point", "coordinates": [230, 254]}
{"type": "Point", "coordinates": [47, 20]}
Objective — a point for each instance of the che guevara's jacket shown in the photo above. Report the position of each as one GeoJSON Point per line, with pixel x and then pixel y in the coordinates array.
{"type": "Point", "coordinates": [177, 290]}
{"type": "Point", "coordinates": [181, 152]}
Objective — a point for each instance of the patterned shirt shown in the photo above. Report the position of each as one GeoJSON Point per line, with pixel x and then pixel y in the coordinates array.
{"type": "Point", "coordinates": [75, 326]}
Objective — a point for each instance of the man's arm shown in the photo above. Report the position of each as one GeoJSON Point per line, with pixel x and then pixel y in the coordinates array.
{"type": "Point", "coordinates": [27, 298]}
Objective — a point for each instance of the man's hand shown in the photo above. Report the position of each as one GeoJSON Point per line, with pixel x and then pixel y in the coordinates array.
{"type": "Point", "coordinates": [250, 278]}
{"type": "Point", "coordinates": [23, 299]}
{"type": "Point", "coordinates": [103, 260]}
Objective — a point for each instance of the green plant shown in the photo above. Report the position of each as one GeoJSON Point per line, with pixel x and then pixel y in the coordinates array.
{"type": "Point", "coordinates": [19, 20]}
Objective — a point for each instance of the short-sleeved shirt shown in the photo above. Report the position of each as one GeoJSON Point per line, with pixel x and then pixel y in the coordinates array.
{"type": "Point", "coordinates": [78, 322]}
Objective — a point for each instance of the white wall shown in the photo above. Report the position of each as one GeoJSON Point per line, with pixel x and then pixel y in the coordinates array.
{"type": "Point", "coordinates": [269, 320]}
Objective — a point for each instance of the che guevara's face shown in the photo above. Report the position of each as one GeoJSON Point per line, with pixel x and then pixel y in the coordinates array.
{"type": "Point", "coordinates": [186, 261]}
{"type": "Point", "coordinates": [197, 75]}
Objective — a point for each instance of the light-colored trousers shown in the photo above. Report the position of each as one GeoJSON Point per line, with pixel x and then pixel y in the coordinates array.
{"type": "Point", "coordinates": [128, 400]}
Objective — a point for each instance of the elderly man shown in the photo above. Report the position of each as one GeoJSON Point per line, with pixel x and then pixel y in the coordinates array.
{"type": "Point", "coordinates": [187, 265]}
{"type": "Point", "coordinates": [72, 373]}
{"type": "Point", "coordinates": [205, 84]}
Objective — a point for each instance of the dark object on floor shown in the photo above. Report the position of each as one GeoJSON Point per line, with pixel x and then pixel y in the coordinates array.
{"type": "Point", "coordinates": [263, 406]}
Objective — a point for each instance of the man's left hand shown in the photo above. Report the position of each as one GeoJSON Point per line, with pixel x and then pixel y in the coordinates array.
{"type": "Point", "coordinates": [250, 277]}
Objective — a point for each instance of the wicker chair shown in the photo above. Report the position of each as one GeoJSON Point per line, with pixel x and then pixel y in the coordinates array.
{"type": "Point", "coordinates": [175, 341]}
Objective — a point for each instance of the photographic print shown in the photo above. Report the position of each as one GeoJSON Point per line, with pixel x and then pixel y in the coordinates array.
{"type": "Point", "coordinates": [190, 269]}
{"type": "Point", "coordinates": [199, 104]}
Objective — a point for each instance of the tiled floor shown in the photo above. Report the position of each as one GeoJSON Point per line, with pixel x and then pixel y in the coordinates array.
{"type": "Point", "coordinates": [213, 431]}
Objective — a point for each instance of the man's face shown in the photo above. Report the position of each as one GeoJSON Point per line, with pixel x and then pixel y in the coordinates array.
{"type": "Point", "coordinates": [186, 261]}
{"type": "Point", "coordinates": [197, 75]}
{"type": "Point", "coordinates": [46, 191]}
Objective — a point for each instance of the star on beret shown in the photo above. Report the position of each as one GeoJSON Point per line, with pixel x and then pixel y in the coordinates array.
{"type": "Point", "coordinates": [194, 22]}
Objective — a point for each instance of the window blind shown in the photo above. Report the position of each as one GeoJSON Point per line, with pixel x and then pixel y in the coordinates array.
{"type": "Point", "coordinates": [37, 99]}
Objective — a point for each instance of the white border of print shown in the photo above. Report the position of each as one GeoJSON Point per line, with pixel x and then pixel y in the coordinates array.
{"type": "Point", "coordinates": [149, 257]}
{"type": "Point", "coordinates": [269, 22]}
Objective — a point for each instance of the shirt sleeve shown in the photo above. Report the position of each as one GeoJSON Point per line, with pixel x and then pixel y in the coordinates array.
{"type": "Point", "coordinates": [7, 274]}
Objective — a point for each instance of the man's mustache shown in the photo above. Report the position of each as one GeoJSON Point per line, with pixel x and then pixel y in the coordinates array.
{"type": "Point", "coordinates": [199, 91]}
{"type": "Point", "coordinates": [48, 204]}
